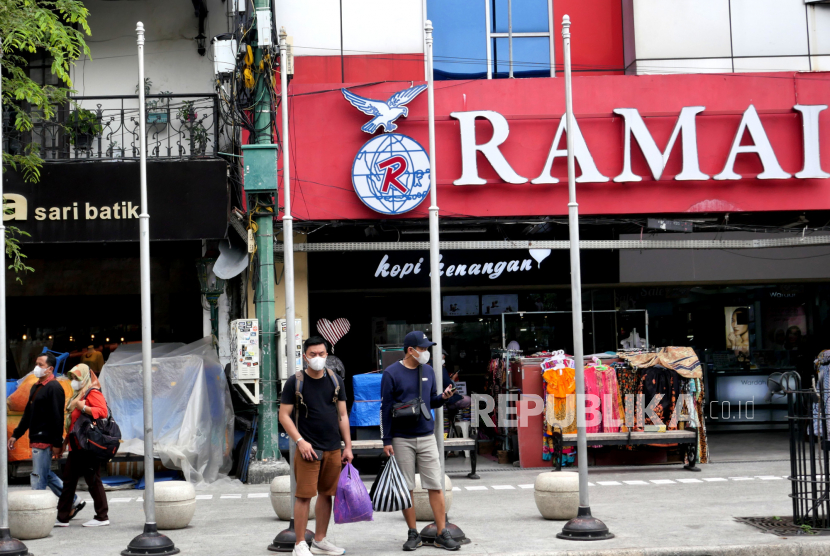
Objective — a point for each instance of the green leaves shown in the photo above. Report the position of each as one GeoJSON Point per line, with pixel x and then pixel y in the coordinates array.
{"type": "Point", "coordinates": [51, 30]}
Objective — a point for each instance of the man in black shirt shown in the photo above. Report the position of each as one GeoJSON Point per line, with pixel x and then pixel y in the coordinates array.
{"type": "Point", "coordinates": [313, 413]}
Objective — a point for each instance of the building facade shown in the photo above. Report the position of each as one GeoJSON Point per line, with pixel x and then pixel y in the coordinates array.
{"type": "Point", "coordinates": [697, 121]}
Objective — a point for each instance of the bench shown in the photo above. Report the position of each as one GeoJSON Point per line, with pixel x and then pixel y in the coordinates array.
{"type": "Point", "coordinates": [375, 448]}
{"type": "Point", "coordinates": [687, 437]}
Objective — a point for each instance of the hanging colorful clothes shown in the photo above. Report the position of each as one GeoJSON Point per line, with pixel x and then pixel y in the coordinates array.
{"type": "Point", "coordinates": [592, 388]}
{"type": "Point", "coordinates": [628, 381]}
{"type": "Point", "coordinates": [560, 403]}
{"type": "Point", "coordinates": [655, 381]}
{"type": "Point", "coordinates": [612, 412]}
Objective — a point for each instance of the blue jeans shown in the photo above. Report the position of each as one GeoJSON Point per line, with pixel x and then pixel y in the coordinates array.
{"type": "Point", "coordinates": [42, 475]}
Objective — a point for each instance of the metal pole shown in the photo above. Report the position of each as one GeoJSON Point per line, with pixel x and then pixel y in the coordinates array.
{"type": "Point", "coordinates": [146, 323]}
{"type": "Point", "coordinates": [583, 527]}
{"type": "Point", "coordinates": [434, 254]}
{"type": "Point", "coordinates": [489, 40]}
{"type": "Point", "coordinates": [150, 539]}
{"type": "Point", "coordinates": [287, 219]}
{"type": "Point", "coordinates": [268, 425]}
{"type": "Point", "coordinates": [510, 34]}
{"type": "Point", "coordinates": [431, 531]}
{"type": "Point", "coordinates": [8, 545]}
{"type": "Point", "coordinates": [552, 42]}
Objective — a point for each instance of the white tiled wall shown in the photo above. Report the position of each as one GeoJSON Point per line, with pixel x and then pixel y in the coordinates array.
{"type": "Point", "coordinates": [674, 36]}
{"type": "Point", "coordinates": [369, 26]}
{"type": "Point", "coordinates": [769, 27]}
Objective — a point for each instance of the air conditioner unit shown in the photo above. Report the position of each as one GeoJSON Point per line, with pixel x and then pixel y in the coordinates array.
{"type": "Point", "coordinates": [245, 360]}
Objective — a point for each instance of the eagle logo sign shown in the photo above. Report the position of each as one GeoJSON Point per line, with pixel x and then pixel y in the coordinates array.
{"type": "Point", "coordinates": [385, 113]}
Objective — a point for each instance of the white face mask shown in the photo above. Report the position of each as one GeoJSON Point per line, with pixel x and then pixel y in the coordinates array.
{"type": "Point", "coordinates": [422, 357]}
{"type": "Point", "coordinates": [76, 384]}
{"type": "Point", "coordinates": [39, 372]}
{"type": "Point", "coordinates": [317, 363]}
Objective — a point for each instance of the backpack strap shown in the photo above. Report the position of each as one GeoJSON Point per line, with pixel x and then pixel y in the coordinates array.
{"type": "Point", "coordinates": [298, 395]}
{"type": "Point", "coordinates": [109, 412]}
{"type": "Point", "coordinates": [334, 399]}
{"type": "Point", "coordinates": [336, 383]}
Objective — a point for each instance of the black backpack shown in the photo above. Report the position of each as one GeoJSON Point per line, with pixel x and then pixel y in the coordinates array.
{"type": "Point", "coordinates": [101, 437]}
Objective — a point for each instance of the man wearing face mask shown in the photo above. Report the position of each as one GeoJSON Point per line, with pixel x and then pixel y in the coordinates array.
{"type": "Point", "coordinates": [313, 414]}
{"type": "Point", "coordinates": [412, 439]}
{"type": "Point", "coordinates": [43, 418]}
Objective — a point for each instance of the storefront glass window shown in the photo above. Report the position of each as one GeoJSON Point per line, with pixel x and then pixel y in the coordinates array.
{"type": "Point", "coordinates": [461, 38]}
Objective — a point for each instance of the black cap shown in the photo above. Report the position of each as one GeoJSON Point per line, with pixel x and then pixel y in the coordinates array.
{"type": "Point", "coordinates": [416, 339]}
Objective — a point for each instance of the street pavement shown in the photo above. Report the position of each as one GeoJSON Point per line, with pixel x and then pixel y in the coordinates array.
{"type": "Point", "coordinates": [663, 507]}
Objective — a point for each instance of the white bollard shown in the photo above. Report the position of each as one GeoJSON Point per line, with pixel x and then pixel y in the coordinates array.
{"type": "Point", "coordinates": [175, 504]}
{"type": "Point", "coordinates": [281, 499]}
{"type": "Point", "coordinates": [32, 513]}
{"type": "Point", "coordinates": [420, 499]}
{"type": "Point", "coordinates": [557, 494]}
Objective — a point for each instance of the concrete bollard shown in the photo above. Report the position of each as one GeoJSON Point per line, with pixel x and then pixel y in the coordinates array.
{"type": "Point", "coordinates": [557, 494]}
{"type": "Point", "coordinates": [281, 499]}
{"type": "Point", "coordinates": [175, 504]}
{"type": "Point", "coordinates": [32, 513]}
{"type": "Point", "coordinates": [420, 499]}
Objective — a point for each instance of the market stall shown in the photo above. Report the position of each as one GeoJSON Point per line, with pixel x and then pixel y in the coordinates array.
{"type": "Point", "coordinates": [637, 397]}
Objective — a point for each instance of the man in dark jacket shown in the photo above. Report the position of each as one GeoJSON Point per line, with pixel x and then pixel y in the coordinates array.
{"type": "Point", "coordinates": [413, 442]}
{"type": "Point", "coordinates": [44, 419]}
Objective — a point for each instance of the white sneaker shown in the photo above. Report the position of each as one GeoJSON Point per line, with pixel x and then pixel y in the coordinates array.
{"type": "Point", "coordinates": [301, 549]}
{"type": "Point", "coordinates": [61, 524]}
{"type": "Point", "coordinates": [325, 546]}
{"type": "Point", "coordinates": [96, 523]}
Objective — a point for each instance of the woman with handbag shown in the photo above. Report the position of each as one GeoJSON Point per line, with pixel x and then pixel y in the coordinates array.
{"type": "Point", "coordinates": [87, 400]}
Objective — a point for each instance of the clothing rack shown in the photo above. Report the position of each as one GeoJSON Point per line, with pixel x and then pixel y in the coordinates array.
{"type": "Point", "coordinates": [505, 355]}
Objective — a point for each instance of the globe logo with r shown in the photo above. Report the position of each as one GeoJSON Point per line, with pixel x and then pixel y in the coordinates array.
{"type": "Point", "coordinates": [390, 173]}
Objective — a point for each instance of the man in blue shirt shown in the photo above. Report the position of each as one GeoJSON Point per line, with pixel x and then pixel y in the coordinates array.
{"type": "Point", "coordinates": [413, 441]}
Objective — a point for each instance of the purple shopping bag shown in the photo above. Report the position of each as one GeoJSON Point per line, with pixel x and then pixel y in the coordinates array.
{"type": "Point", "coordinates": [351, 503]}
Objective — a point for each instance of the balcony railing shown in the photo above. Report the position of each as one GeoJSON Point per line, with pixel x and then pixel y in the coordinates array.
{"type": "Point", "coordinates": [179, 126]}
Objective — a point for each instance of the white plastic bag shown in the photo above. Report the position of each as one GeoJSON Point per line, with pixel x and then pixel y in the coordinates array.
{"type": "Point", "coordinates": [389, 491]}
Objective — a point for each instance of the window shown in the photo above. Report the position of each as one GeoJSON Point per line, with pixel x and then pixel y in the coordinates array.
{"type": "Point", "coordinates": [476, 39]}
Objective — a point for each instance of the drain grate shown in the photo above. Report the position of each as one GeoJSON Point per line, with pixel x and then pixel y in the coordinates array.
{"type": "Point", "coordinates": [782, 526]}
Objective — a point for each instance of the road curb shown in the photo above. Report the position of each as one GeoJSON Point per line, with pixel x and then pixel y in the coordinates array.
{"type": "Point", "coordinates": [809, 548]}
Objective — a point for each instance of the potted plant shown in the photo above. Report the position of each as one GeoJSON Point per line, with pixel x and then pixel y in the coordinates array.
{"type": "Point", "coordinates": [114, 151]}
{"type": "Point", "coordinates": [155, 111]}
{"type": "Point", "coordinates": [199, 139]}
{"type": "Point", "coordinates": [187, 112]}
{"type": "Point", "coordinates": [81, 126]}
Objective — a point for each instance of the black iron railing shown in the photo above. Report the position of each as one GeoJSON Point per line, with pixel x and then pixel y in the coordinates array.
{"type": "Point", "coordinates": [810, 454]}
{"type": "Point", "coordinates": [107, 128]}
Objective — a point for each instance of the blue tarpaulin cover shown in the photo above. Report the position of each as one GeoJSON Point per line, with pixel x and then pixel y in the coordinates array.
{"type": "Point", "coordinates": [366, 407]}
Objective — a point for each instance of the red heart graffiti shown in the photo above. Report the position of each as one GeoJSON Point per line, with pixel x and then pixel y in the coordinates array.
{"type": "Point", "coordinates": [333, 331]}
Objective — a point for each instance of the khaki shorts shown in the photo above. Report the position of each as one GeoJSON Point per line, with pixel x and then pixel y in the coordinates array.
{"type": "Point", "coordinates": [317, 477]}
{"type": "Point", "coordinates": [423, 452]}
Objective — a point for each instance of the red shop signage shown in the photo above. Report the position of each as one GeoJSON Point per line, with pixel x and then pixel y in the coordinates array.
{"type": "Point", "coordinates": [645, 144]}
